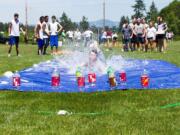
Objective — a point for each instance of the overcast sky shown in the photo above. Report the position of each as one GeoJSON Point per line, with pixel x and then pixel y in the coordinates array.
{"type": "Point", "coordinates": [75, 9]}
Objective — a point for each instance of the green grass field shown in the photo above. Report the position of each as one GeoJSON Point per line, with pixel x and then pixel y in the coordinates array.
{"type": "Point", "coordinates": [154, 112]}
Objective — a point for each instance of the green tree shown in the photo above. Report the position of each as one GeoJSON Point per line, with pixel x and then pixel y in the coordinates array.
{"type": "Point", "coordinates": [67, 23]}
{"type": "Point", "coordinates": [122, 21]}
{"type": "Point", "coordinates": [84, 24]}
{"type": "Point", "coordinates": [94, 28]}
{"type": "Point", "coordinates": [153, 12]}
{"type": "Point", "coordinates": [3, 27]}
{"type": "Point", "coordinates": [171, 15]}
{"type": "Point", "coordinates": [139, 8]}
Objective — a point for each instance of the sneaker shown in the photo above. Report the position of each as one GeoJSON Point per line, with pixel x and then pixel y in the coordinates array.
{"type": "Point", "coordinates": [19, 55]}
{"type": "Point", "coordinates": [9, 55]}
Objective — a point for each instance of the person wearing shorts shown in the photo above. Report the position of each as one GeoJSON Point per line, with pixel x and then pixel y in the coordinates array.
{"type": "Point", "coordinates": [114, 38]}
{"type": "Point", "coordinates": [140, 33]}
{"type": "Point", "coordinates": [133, 43]}
{"type": "Point", "coordinates": [45, 34]}
{"type": "Point", "coordinates": [160, 34]}
{"type": "Point", "coordinates": [77, 37]}
{"type": "Point", "coordinates": [14, 33]}
{"type": "Point", "coordinates": [70, 35]}
{"type": "Point", "coordinates": [151, 37]}
{"type": "Point", "coordinates": [55, 28]}
{"type": "Point", "coordinates": [127, 33]}
{"type": "Point", "coordinates": [88, 35]}
{"type": "Point", "coordinates": [39, 35]}
{"type": "Point", "coordinates": [109, 37]}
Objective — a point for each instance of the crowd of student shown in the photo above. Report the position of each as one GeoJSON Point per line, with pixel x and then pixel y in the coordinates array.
{"type": "Point", "coordinates": [137, 35]}
{"type": "Point", "coordinates": [108, 37]}
{"type": "Point", "coordinates": [46, 33]}
{"type": "Point", "coordinates": [142, 36]}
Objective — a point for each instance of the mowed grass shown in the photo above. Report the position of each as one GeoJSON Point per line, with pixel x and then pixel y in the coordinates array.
{"type": "Point", "coordinates": [153, 112]}
{"type": "Point", "coordinates": [171, 55]}
{"type": "Point", "coordinates": [28, 58]}
{"type": "Point", "coordinates": [126, 113]}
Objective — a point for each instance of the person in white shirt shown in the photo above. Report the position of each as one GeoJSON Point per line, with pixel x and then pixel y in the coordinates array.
{"type": "Point", "coordinates": [140, 33]}
{"type": "Point", "coordinates": [45, 34]}
{"type": "Point", "coordinates": [55, 28]}
{"type": "Point", "coordinates": [146, 26]}
{"type": "Point", "coordinates": [169, 36]}
{"type": "Point", "coordinates": [88, 36]}
{"type": "Point", "coordinates": [39, 35]}
{"type": "Point", "coordinates": [70, 35]}
{"type": "Point", "coordinates": [133, 43]}
{"type": "Point", "coordinates": [160, 34]}
{"type": "Point", "coordinates": [151, 37]}
{"type": "Point", "coordinates": [77, 36]}
{"type": "Point", "coordinates": [114, 38]}
{"type": "Point", "coordinates": [14, 33]}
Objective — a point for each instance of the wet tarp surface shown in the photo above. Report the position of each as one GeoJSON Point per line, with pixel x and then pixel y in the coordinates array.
{"type": "Point", "coordinates": [163, 75]}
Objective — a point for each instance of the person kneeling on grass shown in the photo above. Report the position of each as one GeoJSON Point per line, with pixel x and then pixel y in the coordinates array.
{"type": "Point", "coordinates": [55, 28]}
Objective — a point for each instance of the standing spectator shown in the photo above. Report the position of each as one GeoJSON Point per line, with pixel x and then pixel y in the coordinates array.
{"type": "Point", "coordinates": [14, 33]}
{"type": "Point", "coordinates": [77, 36]}
{"type": "Point", "coordinates": [55, 28]}
{"type": "Point", "coordinates": [45, 34]}
{"type": "Point", "coordinates": [104, 37]}
{"type": "Point", "coordinates": [133, 43]}
{"type": "Point", "coordinates": [88, 36]}
{"type": "Point", "coordinates": [39, 35]}
{"type": "Point", "coordinates": [127, 33]}
{"type": "Point", "coordinates": [109, 37]}
{"type": "Point", "coordinates": [70, 35]}
{"type": "Point", "coordinates": [151, 37]}
{"type": "Point", "coordinates": [146, 26]}
{"type": "Point", "coordinates": [114, 38]}
{"type": "Point", "coordinates": [169, 36]}
{"type": "Point", "coordinates": [160, 35]}
{"type": "Point", "coordinates": [140, 32]}
{"type": "Point", "coordinates": [63, 35]}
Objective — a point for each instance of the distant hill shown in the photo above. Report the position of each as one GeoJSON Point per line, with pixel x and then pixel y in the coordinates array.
{"type": "Point", "coordinates": [99, 23]}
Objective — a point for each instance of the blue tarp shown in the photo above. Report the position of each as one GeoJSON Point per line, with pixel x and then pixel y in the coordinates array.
{"type": "Point", "coordinates": [163, 75]}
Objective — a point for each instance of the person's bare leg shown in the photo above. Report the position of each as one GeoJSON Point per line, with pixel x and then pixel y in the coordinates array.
{"type": "Point", "coordinates": [139, 46]}
{"type": "Point", "coordinates": [153, 46]}
{"type": "Point", "coordinates": [9, 51]}
{"type": "Point", "coordinates": [165, 45]}
{"type": "Point", "coordinates": [17, 49]}
{"type": "Point", "coordinates": [56, 50]}
{"type": "Point", "coordinates": [52, 50]}
{"type": "Point", "coordinates": [39, 51]}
